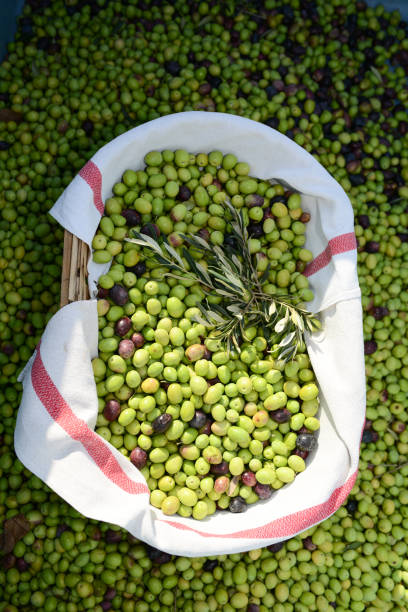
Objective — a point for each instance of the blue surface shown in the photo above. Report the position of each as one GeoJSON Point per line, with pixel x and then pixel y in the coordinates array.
{"type": "Point", "coordinates": [392, 5]}
{"type": "Point", "coordinates": [9, 11]}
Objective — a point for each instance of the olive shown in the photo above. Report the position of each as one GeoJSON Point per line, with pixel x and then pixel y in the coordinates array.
{"type": "Point", "coordinates": [220, 469]}
{"type": "Point", "coordinates": [162, 422]}
{"type": "Point", "coordinates": [122, 326]}
{"type": "Point", "coordinates": [150, 229]}
{"type": "Point", "coordinates": [199, 420]}
{"type": "Point", "coordinates": [118, 294]}
{"type": "Point", "coordinates": [306, 442]}
{"type": "Point", "coordinates": [263, 491]}
{"type": "Point", "coordinates": [139, 269]}
{"type": "Point", "coordinates": [184, 193]}
{"type": "Point", "coordinates": [137, 339]}
{"type": "Point", "coordinates": [276, 547]}
{"type": "Point", "coordinates": [308, 544]}
{"type": "Point", "coordinates": [255, 230]}
{"type": "Point", "coordinates": [248, 479]}
{"type": "Point", "coordinates": [138, 457]}
{"type": "Point", "coordinates": [370, 346]}
{"type": "Point", "coordinates": [111, 410]}
{"type": "Point", "coordinates": [126, 348]}
{"type": "Point", "coordinates": [132, 217]}
{"type": "Point", "coordinates": [237, 504]}
{"type": "Point", "coordinates": [254, 200]}
{"type": "Point", "coordinates": [280, 416]}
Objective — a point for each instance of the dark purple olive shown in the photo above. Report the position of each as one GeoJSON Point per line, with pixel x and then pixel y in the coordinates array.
{"type": "Point", "coordinates": [252, 608]}
{"type": "Point", "coordinates": [138, 339]}
{"type": "Point", "coordinates": [206, 429]}
{"type": "Point", "coordinates": [304, 430]}
{"type": "Point", "coordinates": [255, 230]}
{"type": "Point", "coordinates": [61, 529]}
{"type": "Point", "coordinates": [204, 234]}
{"type": "Point", "coordinates": [254, 200]}
{"type": "Point", "coordinates": [139, 269]}
{"type": "Point", "coordinates": [351, 506]}
{"type": "Point", "coordinates": [248, 479]}
{"type": "Point", "coordinates": [210, 565]}
{"type": "Point", "coordinates": [7, 348]}
{"type": "Point", "coordinates": [4, 145]}
{"type": "Point", "coordinates": [309, 544]}
{"type": "Point", "coordinates": [367, 436]}
{"type": "Point", "coordinates": [306, 442]}
{"type": "Point", "coordinates": [370, 346]}
{"type": "Point", "coordinates": [184, 193]}
{"type": "Point", "coordinates": [106, 606]}
{"type": "Point", "coordinates": [172, 67]}
{"type": "Point", "coordinates": [162, 423]}
{"type": "Point", "coordinates": [372, 246]}
{"type": "Point", "coordinates": [138, 457]}
{"type": "Point", "coordinates": [102, 293]}
{"type": "Point", "coordinates": [220, 469]}
{"type": "Point", "coordinates": [237, 504]}
{"type": "Point", "coordinates": [111, 410]}
{"type": "Point", "coordinates": [88, 126]}
{"type": "Point", "coordinates": [119, 295]}
{"type": "Point", "coordinates": [22, 565]}
{"type": "Point", "coordinates": [263, 491]}
{"type": "Point", "coordinates": [150, 229]}
{"type": "Point", "coordinates": [207, 354]}
{"type": "Point", "coordinates": [364, 221]}
{"type": "Point", "coordinates": [199, 419]}
{"type": "Point", "coordinates": [8, 561]}
{"type": "Point", "coordinates": [301, 453]}
{"type": "Point", "coordinates": [132, 217]}
{"type": "Point", "coordinates": [204, 89]}
{"type": "Point", "coordinates": [126, 348]}
{"type": "Point", "coordinates": [122, 326]}
{"type": "Point", "coordinates": [157, 556]}
{"type": "Point", "coordinates": [96, 534]}
{"type": "Point", "coordinates": [280, 416]}
{"type": "Point", "coordinates": [110, 594]}
{"type": "Point", "coordinates": [378, 312]}
{"type": "Point", "coordinates": [113, 537]}
{"type": "Point", "coordinates": [275, 547]}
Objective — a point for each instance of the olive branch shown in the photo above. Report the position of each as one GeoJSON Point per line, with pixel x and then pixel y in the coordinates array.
{"type": "Point", "coordinates": [230, 274]}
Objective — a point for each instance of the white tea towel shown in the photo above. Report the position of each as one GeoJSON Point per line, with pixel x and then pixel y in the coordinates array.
{"type": "Point", "coordinates": [55, 436]}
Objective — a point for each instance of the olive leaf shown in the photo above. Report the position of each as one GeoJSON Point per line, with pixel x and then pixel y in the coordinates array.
{"type": "Point", "coordinates": [14, 529]}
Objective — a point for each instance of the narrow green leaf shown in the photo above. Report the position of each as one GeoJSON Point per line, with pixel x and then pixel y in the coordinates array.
{"type": "Point", "coordinates": [287, 339]}
{"type": "Point", "coordinates": [173, 253]}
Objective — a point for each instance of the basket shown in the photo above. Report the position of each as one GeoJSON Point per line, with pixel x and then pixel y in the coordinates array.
{"type": "Point", "coordinates": [74, 285]}
{"type": "Point", "coordinates": [60, 402]}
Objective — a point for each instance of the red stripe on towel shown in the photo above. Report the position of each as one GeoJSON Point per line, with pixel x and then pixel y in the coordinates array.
{"type": "Point", "coordinates": [92, 175]}
{"type": "Point", "coordinates": [78, 430]}
{"type": "Point", "coordinates": [286, 526]}
{"type": "Point", "coordinates": [337, 245]}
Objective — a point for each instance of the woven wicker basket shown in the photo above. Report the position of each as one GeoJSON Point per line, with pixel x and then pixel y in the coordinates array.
{"type": "Point", "coordinates": [74, 284]}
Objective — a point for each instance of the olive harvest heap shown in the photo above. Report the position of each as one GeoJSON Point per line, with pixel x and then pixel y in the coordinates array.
{"type": "Point", "coordinates": [202, 376]}
{"type": "Point", "coordinates": [332, 76]}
